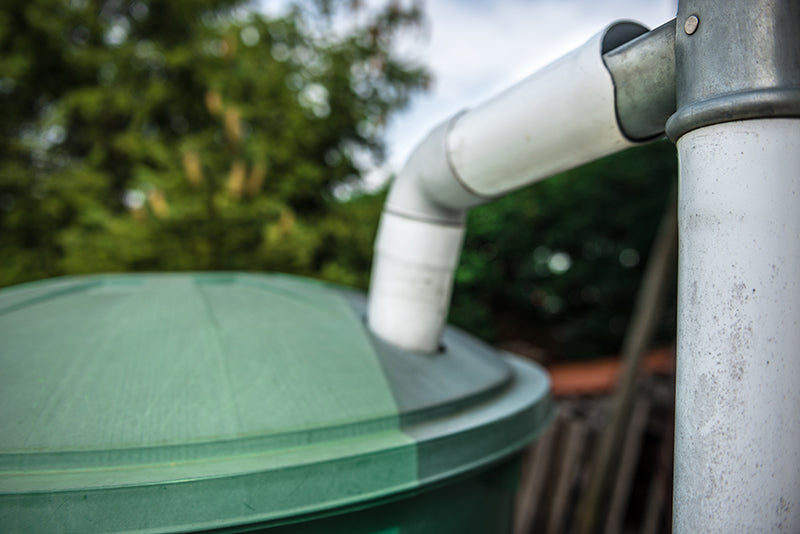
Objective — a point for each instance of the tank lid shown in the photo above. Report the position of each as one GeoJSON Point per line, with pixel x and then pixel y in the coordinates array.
{"type": "Point", "coordinates": [193, 401]}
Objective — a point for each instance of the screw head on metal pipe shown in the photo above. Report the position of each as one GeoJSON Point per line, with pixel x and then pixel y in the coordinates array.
{"type": "Point", "coordinates": [690, 26]}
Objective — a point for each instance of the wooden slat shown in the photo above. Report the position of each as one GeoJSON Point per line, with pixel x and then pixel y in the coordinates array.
{"type": "Point", "coordinates": [658, 501]}
{"type": "Point", "coordinates": [573, 447]}
{"type": "Point", "coordinates": [534, 477]}
{"type": "Point", "coordinates": [628, 462]}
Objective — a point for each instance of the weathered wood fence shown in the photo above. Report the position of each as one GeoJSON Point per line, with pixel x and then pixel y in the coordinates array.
{"type": "Point", "coordinates": [637, 496]}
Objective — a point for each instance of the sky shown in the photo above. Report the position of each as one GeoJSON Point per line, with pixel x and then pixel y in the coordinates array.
{"type": "Point", "coordinates": [477, 48]}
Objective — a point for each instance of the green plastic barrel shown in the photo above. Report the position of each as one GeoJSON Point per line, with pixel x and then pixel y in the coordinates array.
{"type": "Point", "coordinates": [244, 402]}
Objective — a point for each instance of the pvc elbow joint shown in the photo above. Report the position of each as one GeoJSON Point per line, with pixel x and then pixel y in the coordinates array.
{"type": "Point", "coordinates": [417, 248]}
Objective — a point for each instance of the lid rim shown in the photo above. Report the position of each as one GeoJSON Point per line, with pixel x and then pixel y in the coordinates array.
{"type": "Point", "coordinates": [525, 401]}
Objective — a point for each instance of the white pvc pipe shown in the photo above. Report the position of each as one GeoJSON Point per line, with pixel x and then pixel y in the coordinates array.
{"type": "Point", "coordinates": [416, 250]}
{"type": "Point", "coordinates": [412, 278]}
{"type": "Point", "coordinates": [737, 448]}
{"type": "Point", "coordinates": [558, 118]}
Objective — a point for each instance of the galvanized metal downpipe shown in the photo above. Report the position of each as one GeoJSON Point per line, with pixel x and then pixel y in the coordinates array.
{"type": "Point", "coordinates": [599, 99]}
{"type": "Point", "coordinates": [737, 128]}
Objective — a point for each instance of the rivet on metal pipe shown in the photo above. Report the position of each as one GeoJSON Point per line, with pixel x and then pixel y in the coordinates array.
{"type": "Point", "coordinates": [750, 58]}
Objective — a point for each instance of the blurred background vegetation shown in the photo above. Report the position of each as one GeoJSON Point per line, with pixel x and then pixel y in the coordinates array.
{"type": "Point", "coordinates": [158, 135]}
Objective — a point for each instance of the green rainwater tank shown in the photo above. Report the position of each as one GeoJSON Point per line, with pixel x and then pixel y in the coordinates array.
{"type": "Point", "coordinates": [242, 402]}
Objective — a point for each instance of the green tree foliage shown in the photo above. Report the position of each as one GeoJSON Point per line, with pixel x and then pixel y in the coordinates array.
{"type": "Point", "coordinates": [559, 264]}
{"type": "Point", "coordinates": [192, 134]}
